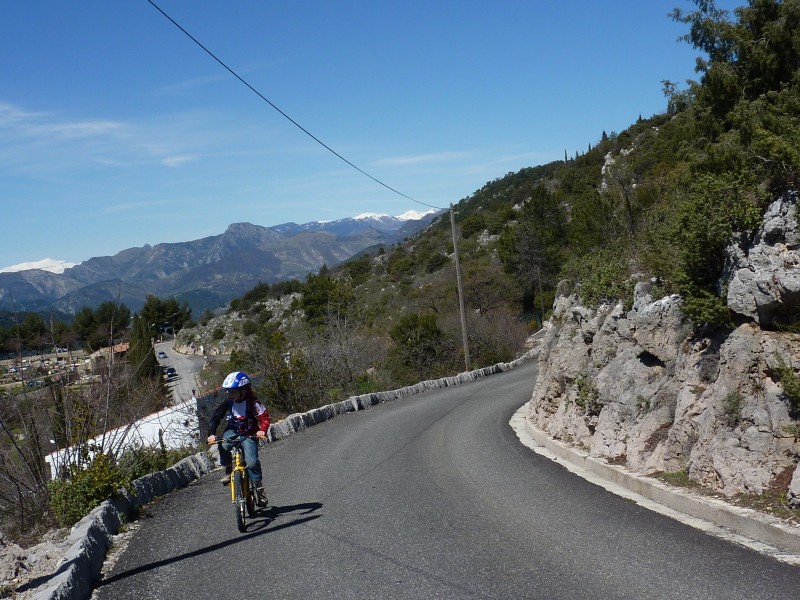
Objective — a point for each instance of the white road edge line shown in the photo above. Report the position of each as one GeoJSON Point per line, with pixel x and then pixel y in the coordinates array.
{"type": "Point", "coordinates": [520, 425]}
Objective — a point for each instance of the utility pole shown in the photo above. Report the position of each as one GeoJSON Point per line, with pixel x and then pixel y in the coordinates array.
{"type": "Point", "coordinates": [460, 289]}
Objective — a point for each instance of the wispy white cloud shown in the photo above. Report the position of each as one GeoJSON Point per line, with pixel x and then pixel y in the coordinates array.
{"type": "Point", "coordinates": [190, 84]}
{"type": "Point", "coordinates": [132, 208]}
{"type": "Point", "coordinates": [123, 207]}
{"type": "Point", "coordinates": [523, 157]}
{"type": "Point", "coordinates": [439, 157]}
{"type": "Point", "coordinates": [219, 76]}
{"type": "Point", "coordinates": [45, 142]}
{"type": "Point", "coordinates": [177, 161]}
{"type": "Point", "coordinates": [42, 124]}
{"type": "Point", "coordinates": [107, 162]}
{"type": "Point", "coordinates": [77, 129]}
{"type": "Point", "coordinates": [11, 115]}
{"type": "Point", "coordinates": [501, 164]}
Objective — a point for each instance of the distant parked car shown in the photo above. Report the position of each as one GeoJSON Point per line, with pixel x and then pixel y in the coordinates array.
{"type": "Point", "coordinates": [171, 372]}
{"type": "Point", "coordinates": [162, 354]}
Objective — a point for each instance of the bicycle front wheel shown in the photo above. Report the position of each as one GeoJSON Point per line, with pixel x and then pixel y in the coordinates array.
{"type": "Point", "coordinates": [250, 500]}
{"type": "Point", "coordinates": [239, 502]}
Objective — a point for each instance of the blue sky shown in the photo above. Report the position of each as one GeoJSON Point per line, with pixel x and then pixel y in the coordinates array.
{"type": "Point", "coordinates": [116, 130]}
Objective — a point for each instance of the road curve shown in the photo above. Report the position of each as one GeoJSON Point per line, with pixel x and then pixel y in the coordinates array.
{"type": "Point", "coordinates": [187, 366]}
{"type": "Point", "coordinates": [431, 496]}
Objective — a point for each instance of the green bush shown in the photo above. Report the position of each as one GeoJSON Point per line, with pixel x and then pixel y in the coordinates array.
{"type": "Point", "coordinates": [791, 385]}
{"type": "Point", "coordinates": [716, 207]}
{"type": "Point", "coordinates": [677, 478]}
{"type": "Point", "coordinates": [732, 405]}
{"type": "Point", "coordinates": [474, 223]}
{"type": "Point", "coordinates": [137, 462]}
{"type": "Point", "coordinates": [74, 498]}
{"type": "Point", "coordinates": [604, 276]}
{"type": "Point", "coordinates": [359, 269]}
{"type": "Point", "coordinates": [436, 262]}
{"type": "Point", "coordinates": [704, 307]}
{"type": "Point", "coordinates": [588, 396]}
{"type": "Point", "coordinates": [419, 348]}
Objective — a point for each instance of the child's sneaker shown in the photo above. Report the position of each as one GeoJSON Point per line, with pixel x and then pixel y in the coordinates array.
{"type": "Point", "coordinates": [226, 479]}
{"type": "Point", "coordinates": [261, 495]}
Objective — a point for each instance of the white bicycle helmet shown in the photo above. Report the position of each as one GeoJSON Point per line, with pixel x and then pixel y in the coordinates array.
{"type": "Point", "coordinates": [235, 380]}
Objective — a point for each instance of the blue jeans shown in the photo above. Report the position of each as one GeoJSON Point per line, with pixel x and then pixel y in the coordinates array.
{"type": "Point", "coordinates": [250, 447]}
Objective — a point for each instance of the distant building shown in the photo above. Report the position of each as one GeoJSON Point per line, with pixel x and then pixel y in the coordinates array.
{"type": "Point", "coordinates": [115, 353]}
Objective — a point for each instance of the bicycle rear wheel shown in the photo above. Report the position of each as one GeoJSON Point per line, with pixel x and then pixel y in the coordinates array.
{"type": "Point", "coordinates": [250, 500]}
{"type": "Point", "coordinates": [239, 501]}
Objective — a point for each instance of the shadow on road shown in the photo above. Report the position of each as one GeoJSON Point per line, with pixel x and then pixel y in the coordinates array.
{"type": "Point", "coordinates": [304, 509]}
{"type": "Point", "coordinates": [261, 527]}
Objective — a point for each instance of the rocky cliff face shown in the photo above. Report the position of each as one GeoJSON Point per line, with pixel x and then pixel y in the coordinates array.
{"type": "Point", "coordinates": [641, 388]}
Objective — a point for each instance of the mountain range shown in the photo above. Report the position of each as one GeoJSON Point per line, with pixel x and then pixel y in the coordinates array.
{"type": "Point", "coordinates": [205, 273]}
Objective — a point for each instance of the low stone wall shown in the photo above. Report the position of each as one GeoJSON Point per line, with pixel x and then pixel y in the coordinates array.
{"type": "Point", "coordinates": [299, 421]}
{"type": "Point", "coordinates": [91, 537]}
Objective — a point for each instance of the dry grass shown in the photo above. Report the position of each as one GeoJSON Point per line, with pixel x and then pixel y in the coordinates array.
{"type": "Point", "coordinates": [773, 501]}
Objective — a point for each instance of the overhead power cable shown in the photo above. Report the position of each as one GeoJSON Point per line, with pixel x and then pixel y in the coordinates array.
{"type": "Point", "coordinates": [290, 119]}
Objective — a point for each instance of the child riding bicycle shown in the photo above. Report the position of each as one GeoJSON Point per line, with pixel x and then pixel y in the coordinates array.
{"type": "Point", "coordinates": [245, 416]}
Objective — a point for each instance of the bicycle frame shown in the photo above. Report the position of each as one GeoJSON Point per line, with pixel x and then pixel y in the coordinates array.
{"type": "Point", "coordinates": [242, 494]}
{"type": "Point", "coordinates": [240, 467]}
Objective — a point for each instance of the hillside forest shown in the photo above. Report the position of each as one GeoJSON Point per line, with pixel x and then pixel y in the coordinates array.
{"type": "Point", "coordinates": [659, 201]}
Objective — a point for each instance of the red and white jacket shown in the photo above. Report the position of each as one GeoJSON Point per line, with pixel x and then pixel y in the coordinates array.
{"type": "Point", "coordinates": [245, 417]}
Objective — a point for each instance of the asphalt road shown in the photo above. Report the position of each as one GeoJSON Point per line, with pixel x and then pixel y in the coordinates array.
{"type": "Point", "coordinates": [429, 497]}
{"type": "Point", "coordinates": [187, 367]}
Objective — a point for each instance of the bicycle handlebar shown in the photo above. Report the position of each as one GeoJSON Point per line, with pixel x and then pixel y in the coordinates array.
{"type": "Point", "coordinates": [237, 439]}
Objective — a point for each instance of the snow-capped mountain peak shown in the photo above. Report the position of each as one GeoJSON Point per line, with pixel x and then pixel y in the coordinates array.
{"type": "Point", "coordinates": [409, 215]}
{"type": "Point", "coordinates": [46, 264]}
{"type": "Point", "coordinates": [352, 225]}
{"type": "Point", "coordinates": [414, 215]}
{"type": "Point", "coordinates": [349, 226]}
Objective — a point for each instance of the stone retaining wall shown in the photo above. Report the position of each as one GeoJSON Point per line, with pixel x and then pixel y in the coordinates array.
{"type": "Point", "coordinates": [92, 536]}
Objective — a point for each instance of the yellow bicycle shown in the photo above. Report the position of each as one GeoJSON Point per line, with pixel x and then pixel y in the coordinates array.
{"type": "Point", "coordinates": [242, 494]}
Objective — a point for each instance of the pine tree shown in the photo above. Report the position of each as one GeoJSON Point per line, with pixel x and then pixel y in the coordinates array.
{"type": "Point", "coordinates": [141, 355]}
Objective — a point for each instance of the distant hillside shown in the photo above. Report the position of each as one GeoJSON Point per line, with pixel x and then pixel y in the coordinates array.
{"type": "Point", "coordinates": [206, 273]}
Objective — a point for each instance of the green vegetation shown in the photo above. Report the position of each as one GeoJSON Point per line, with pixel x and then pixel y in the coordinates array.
{"type": "Point", "coordinates": [95, 480]}
{"type": "Point", "coordinates": [139, 461]}
{"type": "Point", "coordinates": [141, 351]}
{"type": "Point", "coordinates": [165, 316]}
{"type": "Point", "coordinates": [91, 329]}
{"type": "Point", "coordinates": [262, 291]}
{"type": "Point", "coordinates": [677, 478]}
{"type": "Point", "coordinates": [67, 412]}
{"type": "Point", "coordinates": [732, 406]}
{"type": "Point", "coordinates": [74, 497]}
{"type": "Point", "coordinates": [588, 396]}
{"type": "Point", "coordinates": [790, 382]}
{"type": "Point", "coordinates": [793, 430]}
{"type": "Point", "coordinates": [659, 201]}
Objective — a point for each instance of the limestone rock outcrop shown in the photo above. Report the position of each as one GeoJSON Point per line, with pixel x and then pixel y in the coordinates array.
{"type": "Point", "coordinates": [764, 280]}
{"type": "Point", "coordinates": [641, 387]}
